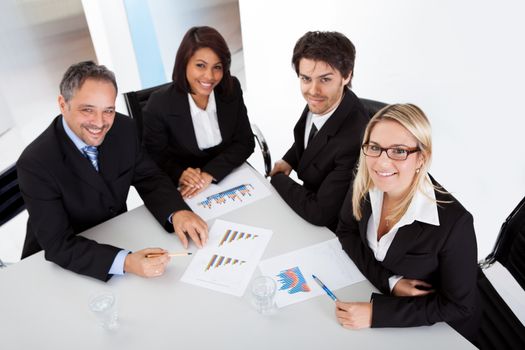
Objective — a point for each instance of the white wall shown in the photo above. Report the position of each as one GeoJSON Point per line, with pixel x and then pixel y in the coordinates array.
{"type": "Point", "coordinates": [172, 19]}
{"type": "Point", "coordinates": [461, 61]}
{"type": "Point", "coordinates": [38, 41]}
{"type": "Point", "coordinates": [108, 27]}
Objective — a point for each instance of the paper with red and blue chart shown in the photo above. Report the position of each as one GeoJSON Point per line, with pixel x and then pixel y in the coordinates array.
{"type": "Point", "coordinates": [293, 272]}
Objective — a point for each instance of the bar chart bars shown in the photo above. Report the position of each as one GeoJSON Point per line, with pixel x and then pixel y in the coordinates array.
{"type": "Point", "coordinates": [233, 194]}
{"type": "Point", "coordinates": [217, 261]}
{"type": "Point", "coordinates": [231, 236]}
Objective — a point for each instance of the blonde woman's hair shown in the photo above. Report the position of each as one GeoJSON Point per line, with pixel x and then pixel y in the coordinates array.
{"type": "Point", "coordinates": [414, 120]}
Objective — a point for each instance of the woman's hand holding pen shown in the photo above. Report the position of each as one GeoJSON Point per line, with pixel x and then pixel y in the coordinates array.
{"type": "Point", "coordinates": [411, 288]}
{"type": "Point", "coordinates": [192, 181]}
{"type": "Point", "coordinates": [354, 315]}
{"type": "Point", "coordinates": [139, 264]}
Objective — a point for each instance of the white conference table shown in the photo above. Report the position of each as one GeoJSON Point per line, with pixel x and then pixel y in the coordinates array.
{"type": "Point", "coordinates": [43, 306]}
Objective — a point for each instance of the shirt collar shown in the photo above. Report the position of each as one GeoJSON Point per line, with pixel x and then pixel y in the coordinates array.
{"type": "Point", "coordinates": [72, 136]}
{"type": "Point", "coordinates": [422, 208]}
{"type": "Point", "coordinates": [210, 108]}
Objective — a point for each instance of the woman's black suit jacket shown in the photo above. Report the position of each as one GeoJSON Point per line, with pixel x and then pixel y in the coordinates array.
{"type": "Point", "coordinates": [169, 136]}
{"type": "Point", "coordinates": [444, 256]}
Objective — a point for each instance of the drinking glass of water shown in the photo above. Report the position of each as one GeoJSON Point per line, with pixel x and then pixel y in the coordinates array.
{"type": "Point", "coordinates": [263, 294]}
{"type": "Point", "coordinates": [104, 307]}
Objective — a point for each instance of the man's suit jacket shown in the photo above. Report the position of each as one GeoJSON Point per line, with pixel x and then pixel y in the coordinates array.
{"type": "Point", "coordinates": [444, 256]}
{"type": "Point", "coordinates": [169, 136]}
{"type": "Point", "coordinates": [65, 195]}
{"type": "Point", "coordinates": [326, 165]}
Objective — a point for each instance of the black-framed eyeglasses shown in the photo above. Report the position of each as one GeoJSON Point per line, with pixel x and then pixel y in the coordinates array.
{"type": "Point", "coordinates": [394, 153]}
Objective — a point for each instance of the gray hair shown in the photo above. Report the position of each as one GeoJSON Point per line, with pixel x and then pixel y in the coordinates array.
{"type": "Point", "coordinates": [76, 75]}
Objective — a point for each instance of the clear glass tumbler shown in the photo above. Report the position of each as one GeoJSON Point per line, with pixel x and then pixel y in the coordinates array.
{"type": "Point", "coordinates": [104, 306]}
{"type": "Point", "coordinates": [263, 294]}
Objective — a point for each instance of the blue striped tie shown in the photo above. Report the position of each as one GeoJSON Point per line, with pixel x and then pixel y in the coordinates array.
{"type": "Point", "coordinates": [91, 153]}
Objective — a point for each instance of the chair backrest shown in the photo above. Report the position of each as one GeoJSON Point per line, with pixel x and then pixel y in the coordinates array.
{"type": "Point", "coordinates": [11, 201]}
{"type": "Point", "coordinates": [500, 328]}
{"type": "Point", "coordinates": [509, 248]}
{"type": "Point", "coordinates": [135, 102]}
{"type": "Point", "coordinates": [371, 106]}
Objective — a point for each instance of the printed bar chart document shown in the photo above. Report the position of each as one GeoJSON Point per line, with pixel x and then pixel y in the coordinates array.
{"type": "Point", "coordinates": [293, 271]}
{"type": "Point", "coordinates": [236, 190]}
{"type": "Point", "coordinates": [227, 262]}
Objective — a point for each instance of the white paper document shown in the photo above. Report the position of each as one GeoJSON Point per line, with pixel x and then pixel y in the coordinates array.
{"type": "Point", "coordinates": [240, 188]}
{"type": "Point", "coordinates": [227, 262]}
{"type": "Point", "coordinates": [293, 272]}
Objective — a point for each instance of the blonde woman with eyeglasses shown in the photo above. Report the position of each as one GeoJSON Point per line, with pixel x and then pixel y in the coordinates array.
{"type": "Point", "coordinates": [407, 235]}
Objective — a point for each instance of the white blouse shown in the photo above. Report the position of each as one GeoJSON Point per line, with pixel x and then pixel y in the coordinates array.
{"type": "Point", "coordinates": [205, 123]}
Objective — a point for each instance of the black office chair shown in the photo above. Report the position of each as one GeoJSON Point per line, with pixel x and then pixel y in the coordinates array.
{"type": "Point", "coordinates": [500, 328]}
{"type": "Point", "coordinates": [136, 100]}
{"type": "Point", "coordinates": [11, 201]}
{"type": "Point", "coordinates": [371, 106]}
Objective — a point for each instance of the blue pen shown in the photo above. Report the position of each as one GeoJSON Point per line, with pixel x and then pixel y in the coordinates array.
{"type": "Point", "coordinates": [325, 288]}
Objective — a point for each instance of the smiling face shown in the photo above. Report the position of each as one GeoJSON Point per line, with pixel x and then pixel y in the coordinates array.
{"type": "Point", "coordinates": [393, 177]}
{"type": "Point", "coordinates": [204, 72]}
{"type": "Point", "coordinates": [321, 85]}
{"type": "Point", "coordinates": [91, 111]}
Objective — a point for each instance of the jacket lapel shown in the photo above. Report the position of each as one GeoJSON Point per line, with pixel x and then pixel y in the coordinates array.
{"type": "Point", "coordinates": [179, 112]}
{"type": "Point", "coordinates": [405, 238]}
{"type": "Point", "coordinates": [331, 127]}
{"type": "Point", "coordinates": [298, 133]}
{"type": "Point", "coordinates": [109, 152]}
{"type": "Point", "coordinates": [225, 111]}
{"type": "Point", "coordinates": [363, 223]}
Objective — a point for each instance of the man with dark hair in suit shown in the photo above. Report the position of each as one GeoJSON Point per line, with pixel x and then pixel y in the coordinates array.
{"type": "Point", "coordinates": [77, 174]}
{"type": "Point", "coordinates": [327, 137]}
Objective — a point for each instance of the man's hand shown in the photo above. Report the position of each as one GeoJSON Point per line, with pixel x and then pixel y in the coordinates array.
{"type": "Point", "coordinates": [188, 191]}
{"type": "Point", "coordinates": [187, 222]}
{"type": "Point", "coordinates": [354, 315]}
{"type": "Point", "coordinates": [137, 263]}
{"type": "Point", "coordinates": [281, 166]}
{"type": "Point", "coordinates": [411, 288]}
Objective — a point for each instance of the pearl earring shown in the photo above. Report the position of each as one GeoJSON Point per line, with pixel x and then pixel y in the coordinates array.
{"type": "Point", "coordinates": [417, 170]}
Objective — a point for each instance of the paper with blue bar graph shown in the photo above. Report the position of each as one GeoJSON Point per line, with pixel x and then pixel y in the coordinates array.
{"type": "Point", "coordinates": [240, 188]}
{"type": "Point", "coordinates": [293, 272]}
{"type": "Point", "coordinates": [229, 258]}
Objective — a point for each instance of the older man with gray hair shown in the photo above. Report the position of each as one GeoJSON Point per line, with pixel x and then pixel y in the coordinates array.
{"type": "Point", "coordinates": [77, 174]}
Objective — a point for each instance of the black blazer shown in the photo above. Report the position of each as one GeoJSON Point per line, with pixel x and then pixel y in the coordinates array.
{"type": "Point", "coordinates": [170, 139]}
{"type": "Point", "coordinates": [444, 256]}
{"type": "Point", "coordinates": [326, 165]}
{"type": "Point", "coordinates": [65, 195]}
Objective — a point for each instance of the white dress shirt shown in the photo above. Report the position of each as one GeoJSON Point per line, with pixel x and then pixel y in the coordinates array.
{"type": "Point", "coordinates": [205, 123]}
{"type": "Point", "coordinates": [423, 208]}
